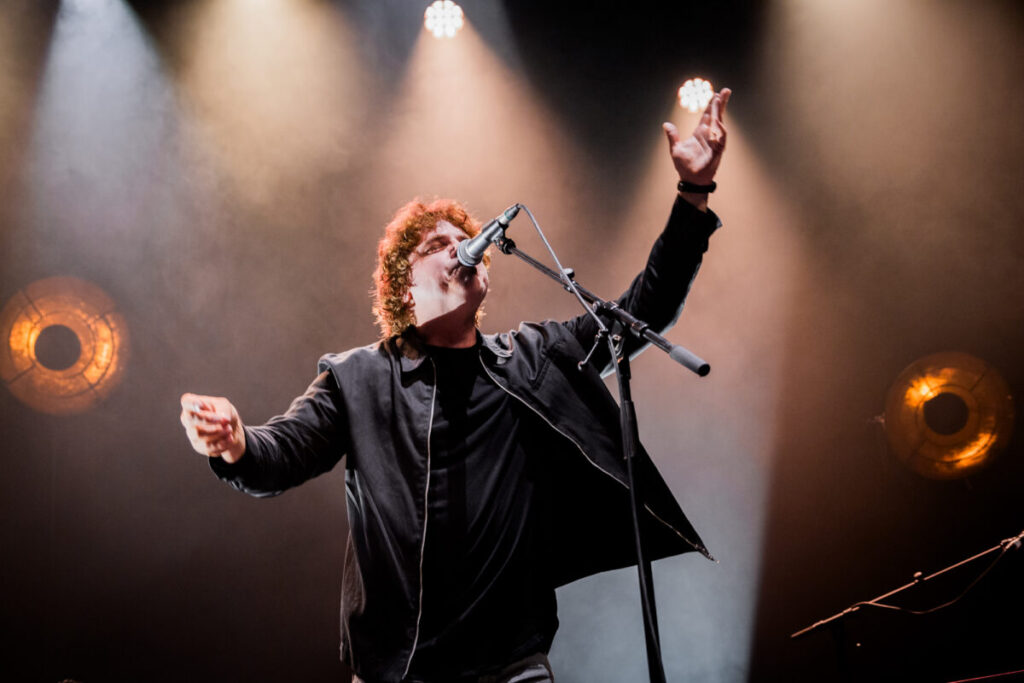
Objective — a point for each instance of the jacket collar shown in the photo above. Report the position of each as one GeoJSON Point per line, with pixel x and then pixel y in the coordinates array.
{"type": "Point", "coordinates": [493, 343]}
{"type": "Point", "coordinates": [412, 351]}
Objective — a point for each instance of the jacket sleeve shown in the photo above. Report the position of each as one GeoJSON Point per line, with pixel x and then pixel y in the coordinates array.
{"type": "Point", "coordinates": [306, 441]}
{"type": "Point", "coordinates": [657, 294]}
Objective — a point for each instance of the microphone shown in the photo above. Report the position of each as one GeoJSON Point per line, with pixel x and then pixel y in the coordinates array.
{"type": "Point", "coordinates": [471, 251]}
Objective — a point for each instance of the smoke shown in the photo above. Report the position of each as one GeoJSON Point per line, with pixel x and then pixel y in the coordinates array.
{"type": "Point", "coordinates": [224, 170]}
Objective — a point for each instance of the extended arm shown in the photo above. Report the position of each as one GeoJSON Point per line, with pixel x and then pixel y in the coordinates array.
{"type": "Point", "coordinates": [307, 440]}
{"type": "Point", "coordinates": [657, 295]}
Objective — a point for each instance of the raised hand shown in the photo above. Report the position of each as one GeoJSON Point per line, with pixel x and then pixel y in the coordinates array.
{"type": "Point", "coordinates": [697, 157]}
{"type": "Point", "coordinates": [213, 426]}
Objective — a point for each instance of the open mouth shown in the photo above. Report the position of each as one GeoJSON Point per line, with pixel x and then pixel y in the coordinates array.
{"type": "Point", "coordinates": [460, 272]}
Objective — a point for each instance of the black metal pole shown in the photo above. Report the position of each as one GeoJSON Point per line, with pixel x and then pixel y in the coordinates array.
{"type": "Point", "coordinates": [630, 439]}
{"type": "Point", "coordinates": [622, 321]}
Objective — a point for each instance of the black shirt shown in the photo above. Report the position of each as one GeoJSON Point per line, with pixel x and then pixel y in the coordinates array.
{"type": "Point", "coordinates": [487, 598]}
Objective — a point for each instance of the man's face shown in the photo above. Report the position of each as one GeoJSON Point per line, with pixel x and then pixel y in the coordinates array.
{"type": "Point", "coordinates": [439, 284]}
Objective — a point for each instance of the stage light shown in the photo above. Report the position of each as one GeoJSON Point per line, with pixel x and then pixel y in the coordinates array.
{"type": "Point", "coordinates": [948, 415]}
{"type": "Point", "coordinates": [695, 94]}
{"type": "Point", "coordinates": [66, 345]}
{"type": "Point", "coordinates": [443, 19]}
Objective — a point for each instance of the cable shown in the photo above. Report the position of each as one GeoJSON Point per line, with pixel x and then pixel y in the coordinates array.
{"type": "Point", "coordinates": [569, 283]}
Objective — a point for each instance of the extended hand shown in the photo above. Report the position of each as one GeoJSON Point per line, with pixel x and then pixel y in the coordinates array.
{"type": "Point", "coordinates": [213, 426]}
{"type": "Point", "coordinates": [697, 157]}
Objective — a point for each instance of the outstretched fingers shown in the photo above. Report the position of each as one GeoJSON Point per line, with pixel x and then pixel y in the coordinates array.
{"type": "Point", "coordinates": [710, 110]}
{"type": "Point", "coordinates": [716, 131]}
{"type": "Point", "coordinates": [715, 110]}
{"type": "Point", "coordinates": [672, 133]}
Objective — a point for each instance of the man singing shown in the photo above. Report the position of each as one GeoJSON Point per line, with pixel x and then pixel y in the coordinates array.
{"type": "Point", "coordinates": [481, 471]}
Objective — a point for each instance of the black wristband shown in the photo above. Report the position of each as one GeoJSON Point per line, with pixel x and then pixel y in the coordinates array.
{"type": "Point", "coordinates": [684, 186]}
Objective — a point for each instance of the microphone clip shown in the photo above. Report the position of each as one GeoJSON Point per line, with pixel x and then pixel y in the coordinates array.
{"type": "Point", "coordinates": [598, 340]}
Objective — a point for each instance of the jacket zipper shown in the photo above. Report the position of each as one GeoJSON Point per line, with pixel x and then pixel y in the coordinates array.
{"type": "Point", "coordinates": [423, 542]}
{"type": "Point", "coordinates": [698, 548]}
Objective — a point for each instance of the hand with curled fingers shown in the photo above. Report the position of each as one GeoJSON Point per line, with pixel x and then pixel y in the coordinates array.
{"type": "Point", "coordinates": [213, 426]}
{"type": "Point", "coordinates": [697, 157]}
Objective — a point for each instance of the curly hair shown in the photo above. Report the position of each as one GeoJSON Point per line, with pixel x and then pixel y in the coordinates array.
{"type": "Point", "coordinates": [393, 275]}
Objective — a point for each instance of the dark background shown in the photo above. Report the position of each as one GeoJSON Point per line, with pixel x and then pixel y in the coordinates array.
{"type": "Point", "coordinates": [223, 169]}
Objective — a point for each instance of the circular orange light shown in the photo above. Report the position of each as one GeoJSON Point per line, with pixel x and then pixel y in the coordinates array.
{"type": "Point", "coordinates": [948, 415]}
{"type": "Point", "coordinates": [66, 345]}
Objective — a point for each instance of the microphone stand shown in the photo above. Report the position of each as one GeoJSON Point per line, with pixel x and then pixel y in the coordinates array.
{"type": "Point", "coordinates": [637, 327]}
{"type": "Point", "coordinates": [623, 321]}
{"type": "Point", "coordinates": [919, 578]}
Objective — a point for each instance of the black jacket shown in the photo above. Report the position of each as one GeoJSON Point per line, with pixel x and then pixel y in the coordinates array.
{"type": "Point", "coordinates": [375, 405]}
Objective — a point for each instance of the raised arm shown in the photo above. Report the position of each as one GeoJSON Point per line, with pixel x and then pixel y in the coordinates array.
{"type": "Point", "coordinates": [657, 294]}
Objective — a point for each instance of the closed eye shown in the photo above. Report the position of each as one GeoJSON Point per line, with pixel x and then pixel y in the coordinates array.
{"type": "Point", "coordinates": [434, 245]}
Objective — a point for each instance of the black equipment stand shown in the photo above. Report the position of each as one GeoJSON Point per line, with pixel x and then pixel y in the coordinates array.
{"type": "Point", "coordinates": [622, 321]}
